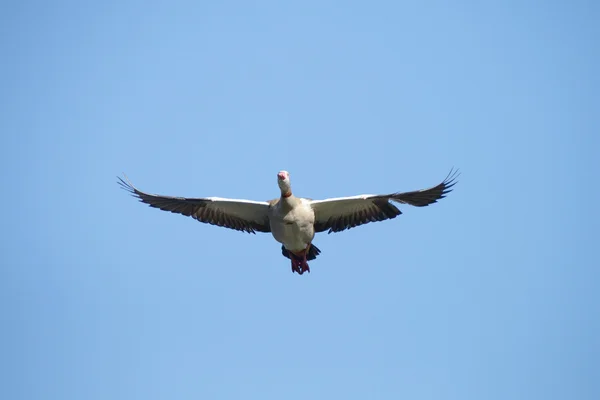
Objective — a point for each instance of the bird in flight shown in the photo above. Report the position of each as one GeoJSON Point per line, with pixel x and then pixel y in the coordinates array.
{"type": "Point", "coordinates": [294, 221]}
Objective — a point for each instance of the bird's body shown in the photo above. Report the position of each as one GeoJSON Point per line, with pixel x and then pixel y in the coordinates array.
{"type": "Point", "coordinates": [294, 221]}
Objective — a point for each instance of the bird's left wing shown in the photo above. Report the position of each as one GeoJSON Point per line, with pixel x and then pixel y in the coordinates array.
{"type": "Point", "coordinates": [242, 215]}
{"type": "Point", "coordinates": [343, 213]}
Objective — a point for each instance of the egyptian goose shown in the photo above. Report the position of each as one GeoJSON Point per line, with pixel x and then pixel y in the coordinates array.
{"type": "Point", "coordinates": [293, 221]}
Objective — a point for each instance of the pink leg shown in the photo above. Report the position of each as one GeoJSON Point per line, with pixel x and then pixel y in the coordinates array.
{"type": "Point", "coordinates": [304, 262]}
{"type": "Point", "coordinates": [301, 266]}
{"type": "Point", "coordinates": [304, 265]}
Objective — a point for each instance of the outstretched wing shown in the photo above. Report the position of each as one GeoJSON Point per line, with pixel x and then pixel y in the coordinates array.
{"type": "Point", "coordinates": [343, 213]}
{"type": "Point", "coordinates": [241, 215]}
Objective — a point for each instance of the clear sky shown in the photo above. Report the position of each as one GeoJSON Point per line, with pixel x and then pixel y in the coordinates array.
{"type": "Point", "coordinates": [491, 293]}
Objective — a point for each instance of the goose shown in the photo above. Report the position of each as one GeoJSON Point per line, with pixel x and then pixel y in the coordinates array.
{"type": "Point", "coordinates": [294, 221]}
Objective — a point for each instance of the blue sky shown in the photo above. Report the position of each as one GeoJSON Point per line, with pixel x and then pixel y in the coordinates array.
{"type": "Point", "coordinates": [491, 293]}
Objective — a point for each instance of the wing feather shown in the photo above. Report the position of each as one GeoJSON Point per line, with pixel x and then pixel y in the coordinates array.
{"type": "Point", "coordinates": [241, 215]}
{"type": "Point", "coordinates": [339, 214]}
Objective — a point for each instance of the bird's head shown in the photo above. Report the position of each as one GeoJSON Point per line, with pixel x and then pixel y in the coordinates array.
{"type": "Point", "coordinates": [283, 180]}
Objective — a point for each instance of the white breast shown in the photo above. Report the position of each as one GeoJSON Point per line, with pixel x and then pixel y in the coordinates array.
{"type": "Point", "coordinates": [294, 228]}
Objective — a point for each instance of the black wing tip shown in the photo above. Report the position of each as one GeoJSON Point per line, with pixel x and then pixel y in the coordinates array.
{"type": "Point", "coordinates": [452, 177]}
{"type": "Point", "coordinates": [126, 185]}
{"type": "Point", "coordinates": [450, 180]}
{"type": "Point", "coordinates": [426, 197]}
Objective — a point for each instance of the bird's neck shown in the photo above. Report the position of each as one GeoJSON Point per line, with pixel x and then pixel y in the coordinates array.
{"type": "Point", "coordinates": [288, 201]}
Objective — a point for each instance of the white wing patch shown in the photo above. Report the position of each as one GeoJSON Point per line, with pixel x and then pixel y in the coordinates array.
{"type": "Point", "coordinates": [359, 197]}
{"type": "Point", "coordinates": [226, 200]}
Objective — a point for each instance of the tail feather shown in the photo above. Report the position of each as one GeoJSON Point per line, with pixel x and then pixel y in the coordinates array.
{"type": "Point", "coordinates": [313, 252]}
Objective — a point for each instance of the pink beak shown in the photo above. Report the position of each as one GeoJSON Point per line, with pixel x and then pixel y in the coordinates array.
{"type": "Point", "coordinates": [281, 176]}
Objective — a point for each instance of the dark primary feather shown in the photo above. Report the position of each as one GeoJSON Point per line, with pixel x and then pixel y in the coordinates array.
{"type": "Point", "coordinates": [246, 217]}
{"type": "Point", "coordinates": [372, 210]}
{"type": "Point", "coordinates": [425, 197]}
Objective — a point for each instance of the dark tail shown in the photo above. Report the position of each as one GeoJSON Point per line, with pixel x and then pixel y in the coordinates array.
{"type": "Point", "coordinates": [313, 252]}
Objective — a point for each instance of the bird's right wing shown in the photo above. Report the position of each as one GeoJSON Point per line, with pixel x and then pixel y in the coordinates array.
{"type": "Point", "coordinates": [339, 214]}
{"type": "Point", "coordinates": [241, 215]}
